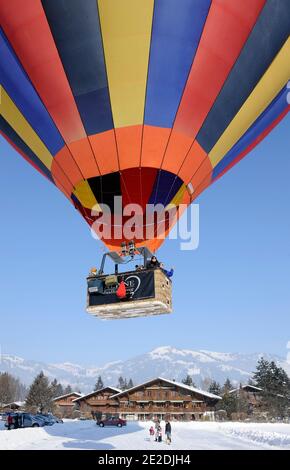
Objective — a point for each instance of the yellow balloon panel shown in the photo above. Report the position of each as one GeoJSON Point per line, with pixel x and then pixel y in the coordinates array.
{"type": "Point", "coordinates": [85, 195]}
{"type": "Point", "coordinates": [126, 30]}
{"type": "Point", "coordinates": [16, 120]}
{"type": "Point", "coordinates": [268, 87]}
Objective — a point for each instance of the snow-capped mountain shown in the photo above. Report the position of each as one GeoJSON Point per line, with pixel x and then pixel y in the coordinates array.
{"type": "Point", "coordinates": [165, 361]}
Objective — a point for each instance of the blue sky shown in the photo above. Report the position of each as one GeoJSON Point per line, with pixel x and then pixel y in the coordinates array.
{"type": "Point", "coordinates": [231, 294]}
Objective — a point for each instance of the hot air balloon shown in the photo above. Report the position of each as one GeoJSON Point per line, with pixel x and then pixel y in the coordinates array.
{"type": "Point", "coordinates": [151, 100]}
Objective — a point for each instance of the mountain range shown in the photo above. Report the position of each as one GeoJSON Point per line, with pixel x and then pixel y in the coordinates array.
{"type": "Point", "coordinates": [164, 361]}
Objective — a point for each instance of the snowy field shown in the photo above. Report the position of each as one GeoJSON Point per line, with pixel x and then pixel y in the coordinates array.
{"type": "Point", "coordinates": [197, 436]}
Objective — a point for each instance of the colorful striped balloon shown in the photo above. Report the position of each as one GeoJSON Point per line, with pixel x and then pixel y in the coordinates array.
{"type": "Point", "coordinates": [151, 100]}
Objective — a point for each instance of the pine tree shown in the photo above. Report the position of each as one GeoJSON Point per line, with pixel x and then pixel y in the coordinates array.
{"type": "Point", "coordinates": [67, 390]}
{"type": "Point", "coordinates": [188, 381]}
{"type": "Point", "coordinates": [121, 383]}
{"type": "Point", "coordinates": [275, 385]}
{"type": "Point", "coordinates": [229, 403]}
{"type": "Point", "coordinates": [130, 383]}
{"type": "Point", "coordinates": [227, 387]}
{"type": "Point", "coordinates": [40, 394]}
{"type": "Point", "coordinates": [261, 375]}
{"type": "Point", "coordinates": [215, 388]}
{"type": "Point", "coordinates": [99, 384]}
{"type": "Point", "coordinates": [57, 389]}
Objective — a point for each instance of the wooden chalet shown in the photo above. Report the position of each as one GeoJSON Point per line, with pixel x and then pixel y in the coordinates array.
{"type": "Point", "coordinates": [251, 394]}
{"type": "Point", "coordinates": [162, 398]}
{"type": "Point", "coordinates": [98, 402]}
{"type": "Point", "coordinates": [157, 398]}
{"type": "Point", "coordinates": [64, 404]}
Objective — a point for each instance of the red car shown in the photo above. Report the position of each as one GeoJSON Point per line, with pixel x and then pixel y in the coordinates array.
{"type": "Point", "coordinates": [113, 421]}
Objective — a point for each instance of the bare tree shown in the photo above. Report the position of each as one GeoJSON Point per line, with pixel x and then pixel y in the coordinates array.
{"type": "Point", "coordinates": [11, 389]}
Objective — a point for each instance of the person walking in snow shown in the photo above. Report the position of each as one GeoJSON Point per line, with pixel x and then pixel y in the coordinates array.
{"type": "Point", "coordinates": [9, 421]}
{"type": "Point", "coordinates": [16, 421]}
{"type": "Point", "coordinates": [168, 432]}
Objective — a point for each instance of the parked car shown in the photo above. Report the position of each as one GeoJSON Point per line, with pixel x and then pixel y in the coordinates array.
{"type": "Point", "coordinates": [49, 418]}
{"type": "Point", "coordinates": [112, 421]}
{"type": "Point", "coordinates": [45, 418]}
{"type": "Point", "coordinates": [26, 420]}
{"type": "Point", "coordinates": [55, 418]}
{"type": "Point", "coordinates": [3, 416]}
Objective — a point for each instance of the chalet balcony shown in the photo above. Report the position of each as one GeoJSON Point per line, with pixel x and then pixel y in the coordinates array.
{"type": "Point", "coordinates": [100, 403]}
{"type": "Point", "coordinates": [110, 410]}
{"type": "Point", "coordinates": [148, 409]}
{"type": "Point", "coordinates": [162, 409]}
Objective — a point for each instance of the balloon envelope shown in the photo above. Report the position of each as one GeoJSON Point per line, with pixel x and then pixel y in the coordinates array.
{"type": "Point", "coordinates": [148, 100]}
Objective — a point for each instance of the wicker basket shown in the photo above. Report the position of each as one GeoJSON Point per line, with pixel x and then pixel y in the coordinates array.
{"type": "Point", "coordinates": [160, 304]}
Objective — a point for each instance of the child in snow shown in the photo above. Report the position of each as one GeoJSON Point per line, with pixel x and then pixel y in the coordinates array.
{"type": "Point", "coordinates": [159, 434]}
{"type": "Point", "coordinates": [151, 433]}
{"type": "Point", "coordinates": [157, 425]}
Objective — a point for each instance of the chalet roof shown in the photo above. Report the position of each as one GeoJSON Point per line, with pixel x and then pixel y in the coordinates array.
{"type": "Point", "coordinates": [171, 382]}
{"type": "Point", "coordinates": [257, 389]}
{"type": "Point", "coordinates": [114, 389]}
{"type": "Point", "coordinates": [14, 403]}
{"type": "Point", "coordinates": [67, 395]}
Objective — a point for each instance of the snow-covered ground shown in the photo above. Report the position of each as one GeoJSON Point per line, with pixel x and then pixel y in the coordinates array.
{"type": "Point", "coordinates": [198, 435]}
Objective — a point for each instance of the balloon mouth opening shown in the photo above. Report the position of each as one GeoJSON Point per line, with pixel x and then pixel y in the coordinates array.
{"type": "Point", "coordinates": [141, 186]}
{"type": "Point", "coordinates": [137, 204]}
{"type": "Point", "coordinates": [154, 197]}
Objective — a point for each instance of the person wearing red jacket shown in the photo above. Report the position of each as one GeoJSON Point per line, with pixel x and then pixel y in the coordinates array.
{"type": "Point", "coordinates": [9, 421]}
